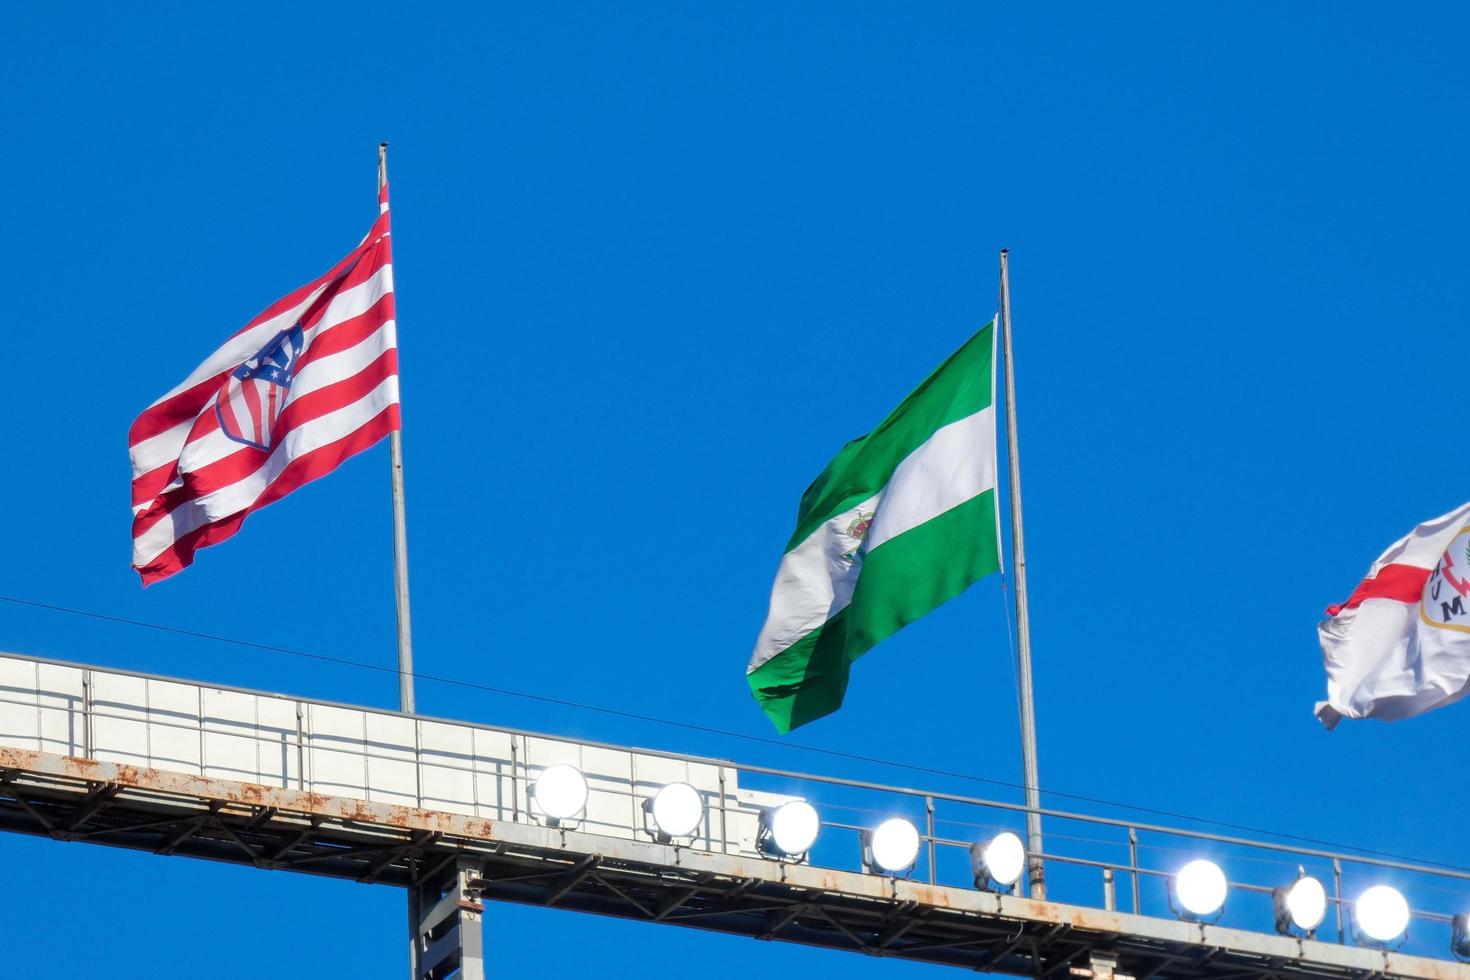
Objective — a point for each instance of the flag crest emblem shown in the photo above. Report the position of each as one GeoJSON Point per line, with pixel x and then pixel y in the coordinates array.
{"type": "Point", "coordinates": [1445, 594]}
{"type": "Point", "coordinates": [253, 396]}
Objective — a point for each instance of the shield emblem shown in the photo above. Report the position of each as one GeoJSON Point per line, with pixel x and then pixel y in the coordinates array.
{"type": "Point", "coordinates": [255, 392]}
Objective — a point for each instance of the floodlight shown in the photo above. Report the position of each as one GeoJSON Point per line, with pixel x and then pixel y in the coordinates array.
{"type": "Point", "coordinates": [1301, 905]}
{"type": "Point", "coordinates": [998, 862]}
{"type": "Point", "coordinates": [788, 830]}
{"type": "Point", "coordinates": [892, 847]}
{"type": "Point", "coordinates": [1460, 938]}
{"type": "Point", "coordinates": [560, 791]}
{"type": "Point", "coordinates": [677, 810]}
{"type": "Point", "coordinates": [1198, 889]}
{"type": "Point", "coordinates": [1381, 915]}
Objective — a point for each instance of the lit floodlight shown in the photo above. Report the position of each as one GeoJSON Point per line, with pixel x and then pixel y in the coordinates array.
{"type": "Point", "coordinates": [676, 810]}
{"type": "Point", "coordinates": [892, 847]}
{"type": "Point", "coordinates": [1198, 890]}
{"type": "Point", "coordinates": [1460, 938]}
{"type": "Point", "coordinates": [998, 862]}
{"type": "Point", "coordinates": [1301, 905]}
{"type": "Point", "coordinates": [1381, 915]}
{"type": "Point", "coordinates": [788, 831]}
{"type": "Point", "coordinates": [560, 791]}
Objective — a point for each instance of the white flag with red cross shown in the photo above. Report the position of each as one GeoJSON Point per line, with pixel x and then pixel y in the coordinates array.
{"type": "Point", "coordinates": [1400, 645]}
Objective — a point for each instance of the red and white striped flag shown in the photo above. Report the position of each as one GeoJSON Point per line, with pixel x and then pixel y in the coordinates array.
{"type": "Point", "coordinates": [309, 382]}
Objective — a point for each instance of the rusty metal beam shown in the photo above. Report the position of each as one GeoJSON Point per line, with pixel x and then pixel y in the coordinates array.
{"type": "Point", "coordinates": [857, 941]}
{"type": "Point", "coordinates": [623, 895]}
{"type": "Point", "coordinates": [673, 900]}
{"type": "Point", "coordinates": [224, 828]}
{"type": "Point", "coordinates": [572, 878]}
{"type": "Point", "coordinates": [21, 801]}
{"type": "Point", "coordinates": [896, 931]}
{"type": "Point", "coordinates": [402, 852]}
{"type": "Point", "coordinates": [517, 861]}
{"type": "Point", "coordinates": [188, 830]}
{"type": "Point", "coordinates": [1055, 967]}
{"type": "Point", "coordinates": [290, 843]}
{"type": "Point", "coordinates": [264, 816]}
{"type": "Point", "coordinates": [775, 923]}
{"type": "Point", "coordinates": [95, 802]}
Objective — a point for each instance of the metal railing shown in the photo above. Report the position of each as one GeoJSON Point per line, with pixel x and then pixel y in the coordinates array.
{"type": "Point", "coordinates": [1083, 870]}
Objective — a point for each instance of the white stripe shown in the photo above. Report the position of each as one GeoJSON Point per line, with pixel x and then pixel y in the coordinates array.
{"type": "Point", "coordinates": [245, 492]}
{"type": "Point", "coordinates": [953, 465]}
{"type": "Point", "coordinates": [165, 447]}
{"type": "Point", "coordinates": [815, 583]}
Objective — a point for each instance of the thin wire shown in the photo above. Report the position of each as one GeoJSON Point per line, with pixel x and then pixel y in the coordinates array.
{"type": "Point", "coordinates": [708, 730]}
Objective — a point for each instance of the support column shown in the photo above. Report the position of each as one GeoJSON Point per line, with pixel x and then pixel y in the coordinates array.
{"type": "Point", "coordinates": [448, 936]}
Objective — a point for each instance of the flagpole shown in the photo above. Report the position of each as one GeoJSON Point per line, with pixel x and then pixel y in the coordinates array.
{"type": "Point", "coordinates": [400, 533]}
{"type": "Point", "coordinates": [1023, 622]}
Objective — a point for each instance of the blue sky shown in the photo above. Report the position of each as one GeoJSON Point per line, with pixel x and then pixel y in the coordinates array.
{"type": "Point", "coordinates": [655, 264]}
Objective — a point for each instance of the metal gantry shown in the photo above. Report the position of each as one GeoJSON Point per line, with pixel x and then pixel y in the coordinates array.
{"type": "Point", "coordinates": [441, 808]}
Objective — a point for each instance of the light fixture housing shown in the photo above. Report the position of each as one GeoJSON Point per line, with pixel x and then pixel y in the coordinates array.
{"type": "Point", "coordinates": [999, 862]}
{"type": "Point", "coordinates": [892, 847]}
{"type": "Point", "coordinates": [1300, 906]}
{"type": "Point", "coordinates": [1460, 937]}
{"type": "Point", "coordinates": [1380, 916]}
{"type": "Point", "coordinates": [788, 830]}
{"type": "Point", "coordinates": [676, 811]}
{"type": "Point", "coordinates": [1197, 891]}
{"type": "Point", "coordinates": [561, 793]}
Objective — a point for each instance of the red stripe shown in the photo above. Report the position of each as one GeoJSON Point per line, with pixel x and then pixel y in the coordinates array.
{"type": "Point", "coordinates": [186, 404]}
{"type": "Point", "coordinates": [1401, 583]}
{"type": "Point", "coordinates": [180, 408]}
{"type": "Point", "coordinates": [302, 470]}
{"type": "Point", "coordinates": [246, 460]}
{"type": "Point", "coordinates": [251, 396]}
{"type": "Point", "coordinates": [151, 484]}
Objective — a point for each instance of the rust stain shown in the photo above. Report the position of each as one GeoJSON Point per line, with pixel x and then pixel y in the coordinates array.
{"type": "Point", "coordinates": [1426, 969]}
{"type": "Point", "coordinates": [301, 802]}
{"type": "Point", "coordinates": [250, 794]}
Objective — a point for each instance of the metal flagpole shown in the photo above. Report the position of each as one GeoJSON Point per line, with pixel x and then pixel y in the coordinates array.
{"type": "Point", "coordinates": [1023, 623]}
{"type": "Point", "coordinates": [400, 533]}
{"type": "Point", "coordinates": [405, 638]}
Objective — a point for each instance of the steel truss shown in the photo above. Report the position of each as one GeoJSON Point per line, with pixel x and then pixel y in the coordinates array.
{"type": "Point", "coordinates": [454, 863]}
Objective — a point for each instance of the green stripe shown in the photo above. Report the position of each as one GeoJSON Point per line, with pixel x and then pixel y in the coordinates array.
{"type": "Point", "coordinates": [901, 580]}
{"type": "Point", "coordinates": [961, 387]}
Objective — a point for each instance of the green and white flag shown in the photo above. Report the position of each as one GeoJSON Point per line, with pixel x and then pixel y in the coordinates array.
{"type": "Point", "coordinates": [901, 521]}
